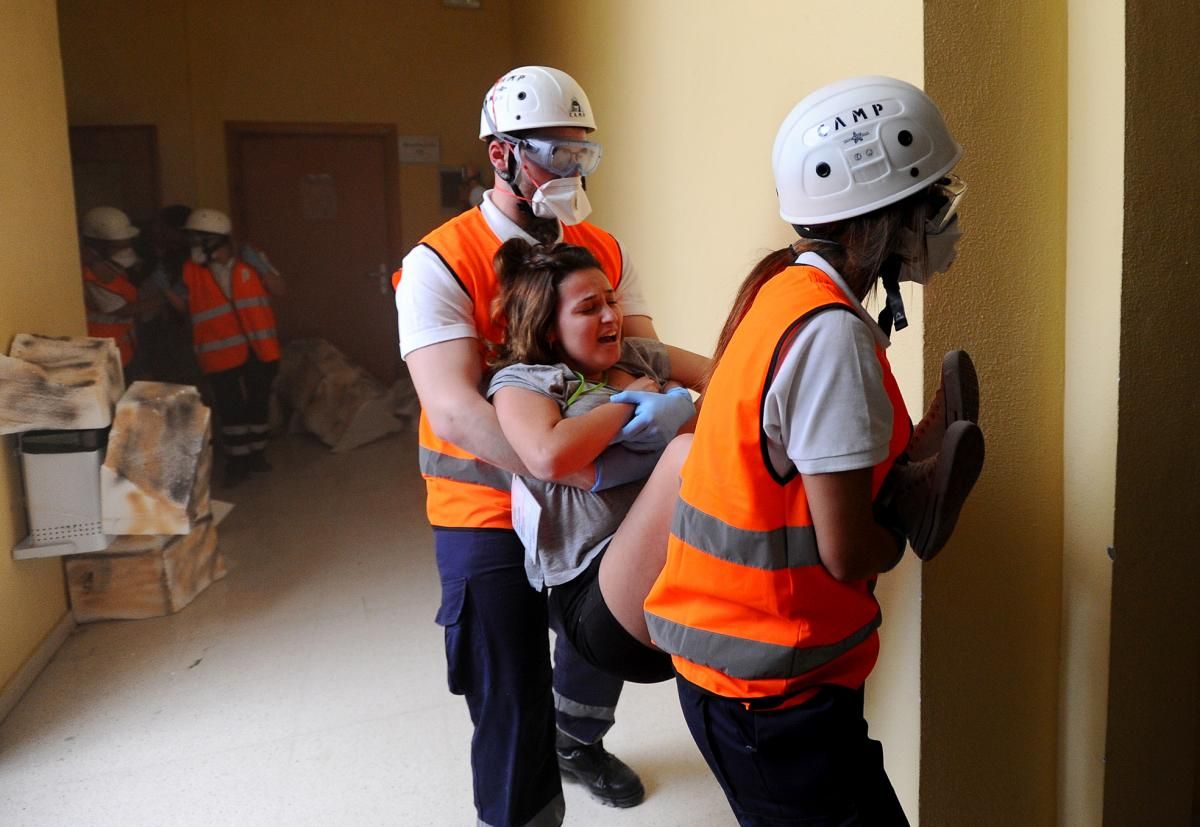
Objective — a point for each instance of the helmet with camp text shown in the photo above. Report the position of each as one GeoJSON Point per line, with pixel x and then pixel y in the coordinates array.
{"type": "Point", "coordinates": [534, 97]}
{"type": "Point", "coordinates": [858, 145]}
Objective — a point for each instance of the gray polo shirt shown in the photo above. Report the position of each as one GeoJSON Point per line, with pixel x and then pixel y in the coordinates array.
{"type": "Point", "coordinates": [826, 408]}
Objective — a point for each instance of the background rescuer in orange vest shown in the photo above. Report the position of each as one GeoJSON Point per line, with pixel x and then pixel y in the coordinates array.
{"type": "Point", "coordinates": [234, 336]}
{"type": "Point", "coordinates": [803, 482]}
{"type": "Point", "coordinates": [110, 296]}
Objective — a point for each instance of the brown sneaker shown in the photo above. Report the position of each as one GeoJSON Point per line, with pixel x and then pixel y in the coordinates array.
{"type": "Point", "coordinates": [922, 500]}
{"type": "Point", "coordinates": [957, 398]}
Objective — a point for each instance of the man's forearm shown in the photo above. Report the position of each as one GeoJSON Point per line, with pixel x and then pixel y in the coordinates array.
{"type": "Point", "coordinates": [477, 430]}
{"type": "Point", "coordinates": [474, 428]}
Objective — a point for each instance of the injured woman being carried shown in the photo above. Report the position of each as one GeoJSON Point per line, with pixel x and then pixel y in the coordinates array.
{"type": "Point", "coordinates": [575, 397]}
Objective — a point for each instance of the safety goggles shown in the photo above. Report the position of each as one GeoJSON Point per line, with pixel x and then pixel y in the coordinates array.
{"type": "Point", "coordinates": [945, 196]}
{"type": "Point", "coordinates": [561, 157]}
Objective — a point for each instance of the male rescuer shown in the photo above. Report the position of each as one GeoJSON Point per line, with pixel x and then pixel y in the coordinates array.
{"type": "Point", "coordinates": [528, 724]}
{"type": "Point", "coordinates": [234, 336]}
{"type": "Point", "coordinates": [109, 294]}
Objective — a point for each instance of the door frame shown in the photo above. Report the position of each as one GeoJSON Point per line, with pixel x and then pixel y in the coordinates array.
{"type": "Point", "coordinates": [147, 131]}
{"type": "Point", "coordinates": [237, 131]}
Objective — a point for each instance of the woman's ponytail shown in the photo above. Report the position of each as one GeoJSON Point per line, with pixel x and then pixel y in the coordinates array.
{"type": "Point", "coordinates": [771, 265]}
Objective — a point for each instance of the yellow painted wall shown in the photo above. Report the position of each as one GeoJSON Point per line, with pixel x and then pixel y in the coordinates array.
{"type": "Point", "coordinates": [189, 66]}
{"type": "Point", "coordinates": [991, 609]}
{"type": "Point", "coordinates": [688, 99]}
{"type": "Point", "coordinates": [40, 287]}
{"type": "Point", "coordinates": [1154, 701]}
{"type": "Point", "coordinates": [1095, 211]}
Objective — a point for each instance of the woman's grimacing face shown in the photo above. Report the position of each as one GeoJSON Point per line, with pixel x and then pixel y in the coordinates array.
{"type": "Point", "coordinates": [587, 323]}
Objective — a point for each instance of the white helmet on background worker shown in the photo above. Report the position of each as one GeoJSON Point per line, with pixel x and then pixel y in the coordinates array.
{"type": "Point", "coordinates": [209, 231]}
{"type": "Point", "coordinates": [205, 220]}
{"type": "Point", "coordinates": [534, 97]}
{"type": "Point", "coordinates": [857, 145]}
{"type": "Point", "coordinates": [107, 224]}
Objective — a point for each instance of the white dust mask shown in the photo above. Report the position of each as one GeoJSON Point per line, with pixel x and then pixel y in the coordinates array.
{"type": "Point", "coordinates": [562, 198]}
{"type": "Point", "coordinates": [940, 251]}
{"type": "Point", "coordinates": [124, 258]}
{"type": "Point", "coordinates": [199, 255]}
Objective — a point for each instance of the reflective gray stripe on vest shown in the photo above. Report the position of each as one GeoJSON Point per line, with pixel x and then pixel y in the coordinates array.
{"type": "Point", "coordinates": [551, 815]}
{"type": "Point", "coordinates": [257, 301]}
{"type": "Point", "coordinates": [749, 659]}
{"type": "Point", "coordinates": [782, 548]}
{"type": "Point", "coordinates": [221, 344]}
{"type": "Point", "coordinates": [212, 313]}
{"type": "Point", "coordinates": [436, 464]}
{"type": "Point", "coordinates": [256, 335]}
{"type": "Point", "coordinates": [95, 317]}
{"type": "Point", "coordinates": [578, 710]}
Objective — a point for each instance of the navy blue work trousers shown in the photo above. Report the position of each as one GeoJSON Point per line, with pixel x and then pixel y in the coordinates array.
{"type": "Point", "coordinates": [810, 765]}
{"type": "Point", "coordinates": [498, 657]}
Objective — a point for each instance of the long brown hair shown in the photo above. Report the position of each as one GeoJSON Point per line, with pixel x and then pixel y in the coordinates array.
{"type": "Point", "coordinates": [528, 301]}
{"type": "Point", "coordinates": [856, 247]}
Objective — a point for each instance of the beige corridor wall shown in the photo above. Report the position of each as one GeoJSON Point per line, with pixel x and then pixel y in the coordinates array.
{"type": "Point", "coordinates": [991, 610]}
{"type": "Point", "coordinates": [40, 287]}
{"type": "Point", "coordinates": [688, 99]}
{"type": "Point", "coordinates": [1095, 210]}
{"type": "Point", "coordinates": [1154, 703]}
{"type": "Point", "coordinates": [189, 66]}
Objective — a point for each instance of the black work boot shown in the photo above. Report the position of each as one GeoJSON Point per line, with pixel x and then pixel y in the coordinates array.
{"type": "Point", "coordinates": [922, 500]}
{"type": "Point", "coordinates": [607, 778]}
{"type": "Point", "coordinates": [957, 398]}
{"type": "Point", "coordinates": [257, 461]}
{"type": "Point", "coordinates": [237, 470]}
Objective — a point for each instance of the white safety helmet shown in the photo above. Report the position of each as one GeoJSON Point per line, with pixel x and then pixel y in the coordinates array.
{"type": "Point", "coordinates": [857, 145]}
{"type": "Point", "coordinates": [534, 97]}
{"type": "Point", "coordinates": [107, 224]}
{"type": "Point", "coordinates": [206, 220]}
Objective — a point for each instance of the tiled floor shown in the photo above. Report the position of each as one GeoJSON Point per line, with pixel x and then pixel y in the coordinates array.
{"type": "Point", "coordinates": [307, 687]}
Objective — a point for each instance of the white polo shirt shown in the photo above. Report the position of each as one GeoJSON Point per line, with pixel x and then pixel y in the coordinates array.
{"type": "Point", "coordinates": [826, 409]}
{"type": "Point", "coordinates": [431, 306]}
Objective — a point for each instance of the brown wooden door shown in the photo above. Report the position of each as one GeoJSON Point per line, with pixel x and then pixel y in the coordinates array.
{"type": "Point", "coordinates": [322, 202]}
{"type": "Point", "coordinates": [116, 166]}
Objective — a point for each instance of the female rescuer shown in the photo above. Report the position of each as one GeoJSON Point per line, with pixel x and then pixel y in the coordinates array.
{"type": "Point", "coordinates": [804, 480]}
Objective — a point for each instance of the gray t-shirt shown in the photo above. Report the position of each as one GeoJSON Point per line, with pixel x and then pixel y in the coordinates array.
{"type": "Point", "coordinates": [576, 525]}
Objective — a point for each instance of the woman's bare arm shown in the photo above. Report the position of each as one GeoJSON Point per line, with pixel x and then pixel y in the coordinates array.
{"type": "Point", "coordinates": [550, 445]}
{"type": "Point", "coordinates": [687, 368]}
{"type": "Point", "coordinates": [851, 544]}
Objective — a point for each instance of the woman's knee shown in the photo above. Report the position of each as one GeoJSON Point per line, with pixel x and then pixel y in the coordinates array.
{"type": "Point", "coordinates": [676, 452]}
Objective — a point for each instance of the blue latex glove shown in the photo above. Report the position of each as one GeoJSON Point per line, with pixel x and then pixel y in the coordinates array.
{"type": "Point", "coordinates": [656, 419]}
{"type": "Point", "coordinates": [257, 259]}
{"type": "Point", "coordinates": [619, 465]}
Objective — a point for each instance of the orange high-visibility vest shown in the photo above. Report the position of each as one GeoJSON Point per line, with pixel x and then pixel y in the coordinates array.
{"type": "Point", "coordinates": [225, 328]}
{"type": "Point", "coordinates": [110, 326]}
{"type": "Point", "coordinates": [462, 490]}
{"type": "Point", "coordinates": [744, 605]}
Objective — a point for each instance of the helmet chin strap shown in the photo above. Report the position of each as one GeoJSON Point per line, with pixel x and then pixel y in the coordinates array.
{"type": "Point", "coordinates": [893, 309]}
{"type": "Point", "coordinates": [509, 176]}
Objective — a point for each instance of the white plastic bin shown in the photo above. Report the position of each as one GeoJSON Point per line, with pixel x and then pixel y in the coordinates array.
{"type": "Point", "coordinates": [62, 492]}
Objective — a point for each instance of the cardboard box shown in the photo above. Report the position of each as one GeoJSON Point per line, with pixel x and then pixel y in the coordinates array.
{"type": "Point", "coordinates": [160, 580]}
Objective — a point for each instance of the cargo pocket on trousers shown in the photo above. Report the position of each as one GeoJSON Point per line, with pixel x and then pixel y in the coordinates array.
{"type": "Point", "coordinates": [458, 649]}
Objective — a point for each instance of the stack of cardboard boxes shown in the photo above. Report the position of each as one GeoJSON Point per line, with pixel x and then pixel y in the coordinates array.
{"type": "Point", "coordinates": [155, 530]}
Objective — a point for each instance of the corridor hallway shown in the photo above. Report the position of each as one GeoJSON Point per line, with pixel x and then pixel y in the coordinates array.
{"type": "Point", "coordinates": [307, 687]}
